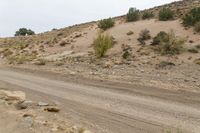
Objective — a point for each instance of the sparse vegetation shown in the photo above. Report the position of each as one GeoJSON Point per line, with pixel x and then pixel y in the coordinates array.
{"type": "Point", "coordinates": [132, 15]}
{"type": "Point", "coordinates": [192, 17]}
{"type": "Point", "coordinates": [106, 24]}
{"type": "Point", "coordinates": [168, 43]}
{"type": "Point", "coordinates": [101, 44]}
{"type": "Point", "coordinates": [6, 52]}
{"type": "Point", "coordinates": [24, 32]}
{"type": "Point", "coordinates": [166, 14]}
{"type": "Point", "coordinates": [147, 15]}
{"type": "Point", "coordinates": [21, 58]}
{"type": "Point", "coordinates": [144, 35]}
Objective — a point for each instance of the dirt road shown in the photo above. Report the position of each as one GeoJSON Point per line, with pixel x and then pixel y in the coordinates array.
{"type": "Point", "coordinates": [115, 107]}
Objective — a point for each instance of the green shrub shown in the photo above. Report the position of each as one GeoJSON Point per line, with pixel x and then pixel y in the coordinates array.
{"type": "Point", "coordinates": [24, 32]}
{"type": "Point", "coordinates": [197, 27]}
{"type": "Point", "coordinates": [192, 17]}
{"type": "Point", "coordinates": [106, 24]}
{"type": "Point", "coordinates": [132, 15]}
{"type": "Point", "coordinates": [166, 14]}
{"type": "Point", "coordinates": [161, 36]}
{"type": "Point", "coordinates": [101, 44]}
{"type": "Point", "coordinates": [169, 44]}
{"type": "Point", "coordinates": [144, 35]}
{"type": "Point", "coordinates": [147, 15]}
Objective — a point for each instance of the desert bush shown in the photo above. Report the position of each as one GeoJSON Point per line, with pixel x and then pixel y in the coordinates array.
{"type": "Point", "coordinates": [132, 15]}
{"type": "Point", "coordinates": [144, 35]}
{"type": "Point", "coordinates": [147, 15]}
{"type": "Point", "coordinates": [192, 17]}
{"type": "Point", "coordinates": [168, 43]}
{"type": "Point", "coordinates": [161, 36]}
{"type": "Point", "coordinates": [106, 24]}
{"type": "Point", "coordinates": [166, 14]}
{"type": "Point", "coordinates": [24, 32]}
{"type": "Point", "coordinates": [197, 27]}
{"type": "Point", "coordinates": [101, 44]}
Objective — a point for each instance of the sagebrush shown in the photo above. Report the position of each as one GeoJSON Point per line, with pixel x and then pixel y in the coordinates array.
{"type": "Point", "coordinates": [166, 14]}
{"type": "Point", "coordinates": [168, 43]}
{"type": "Point", "coordinates": [192, 17]}
{"type": "Point", "coordinates": [106, 23]}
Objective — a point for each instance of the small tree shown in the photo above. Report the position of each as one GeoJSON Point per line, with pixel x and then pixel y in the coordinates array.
{"type": "Point", "coordinates": [106, 24]}
{"type": "Point", "coordinates": [101, 44]}
{"type": "Point", "coordinates": [132, 15]}
{"type": "Point", "coordinates": [24, 32]}
{"type": "Point", "coordinates": [166, 14]}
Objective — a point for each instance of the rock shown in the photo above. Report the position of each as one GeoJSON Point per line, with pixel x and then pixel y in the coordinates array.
{"type": "Point", "coordinates": [130, 33]}
{"type": "Point", "coordinates": [28, 121]}
{"type": "Point", "coordinates": [78, 35]}
{"type": "Point", "coordinates": [13, 95]}
{"type": "Point", "coordinates": [52, 109]}
{"type": "Point", "coordinates": [118, 62]}
{"type": "Point", "coordinates": [21, 106]}
{"type": "Point", "coordinates": [28, 115]}
{"type": "Point", "coordinates": [43, 104]}
{"type": "Point", "coordinates": [87, 131]}
{"type": "Point", "coordinates": [72, 73]}
{"type": "Point", "coordinates": [108, 65]}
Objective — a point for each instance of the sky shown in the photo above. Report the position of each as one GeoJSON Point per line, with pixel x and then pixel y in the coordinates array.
{"type": "Point", "coordinates": [44, 15]}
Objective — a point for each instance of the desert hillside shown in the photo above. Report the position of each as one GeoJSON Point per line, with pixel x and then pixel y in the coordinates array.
{"type": "Point", "coordinates": [70, 50]}
{"type": "Point", "coordinates": [138, 72]}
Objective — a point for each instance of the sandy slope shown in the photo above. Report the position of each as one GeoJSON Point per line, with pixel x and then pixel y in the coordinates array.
{"type": "Point", "coordinates": [116, 108]}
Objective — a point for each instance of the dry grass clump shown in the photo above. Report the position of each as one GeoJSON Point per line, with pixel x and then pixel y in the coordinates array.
{"type": "Point", "coordinates": [101, 44]}
{"type": "Point", "coordinates": [144, 35]}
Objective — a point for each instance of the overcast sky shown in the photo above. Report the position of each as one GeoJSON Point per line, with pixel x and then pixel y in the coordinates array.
{"type": "Point", "coordinates": [44, 15]}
